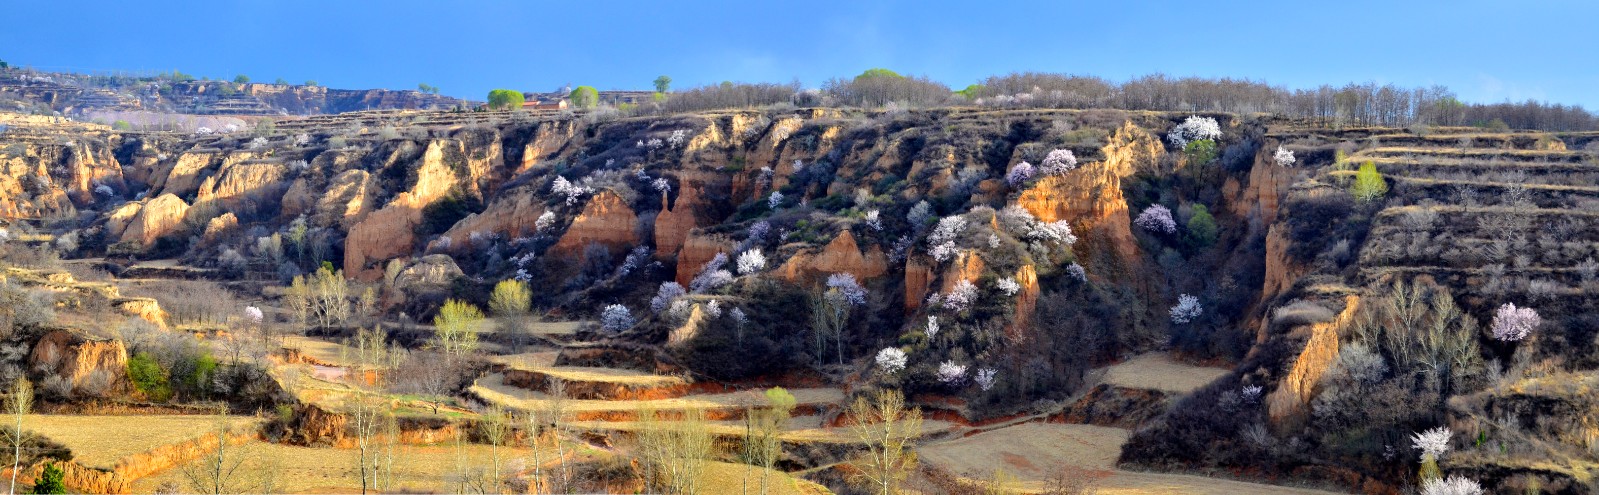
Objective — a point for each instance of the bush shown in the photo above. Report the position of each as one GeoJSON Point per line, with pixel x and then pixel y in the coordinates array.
{"type": "Point", "coordinates": [149, 378]}
{"type": "Point", "coordinates": [50, 481]}
{"type": "Point", "coordinates": [729, 95]}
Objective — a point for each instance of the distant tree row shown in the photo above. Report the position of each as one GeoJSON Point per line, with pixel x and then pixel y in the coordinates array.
{"type": "Point", "coordinates": [1351, 104]}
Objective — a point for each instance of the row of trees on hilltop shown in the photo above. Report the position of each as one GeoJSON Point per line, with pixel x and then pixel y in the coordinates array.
{"type": "Point", "coordinates": [1351, 104]}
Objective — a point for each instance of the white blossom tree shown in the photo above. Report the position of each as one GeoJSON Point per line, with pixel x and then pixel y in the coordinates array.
{"type": "Point", "coordinates": [1186, 310]}
{"type": "Point", "coordinates": [1512, 324]}
{"type": "Point", "coordinates": [1453, 485]}
{"type": "Point", "coordinates": [1195, 128]}
{"type": "Point", "coordinates": [616, 318]}
{"type": "Point", "coordinates": [751, 261]}
{"type": "Point", "coordinates": [1157, 218]}
{"type": "Point", "coordinates": [1058, 162]}
{"type": "Point", "coordinates": [951, 373]}
{"type": "Point", "coordinates": [944, 236]}
{"type": "Point", "coordinates": [961, 297]}
{"type": "Point", "coordinates": [664, 296]}
{"type": "Point", "coordinates": [932, 327]}
{"type": "Point", "coordinates": [544, 222]}
{"type": "Point", "coordinates": [891, 360]}
{"type": "Point", "coordinates": [874, 220]}
{"type": "Point", "coordinates": [985, 378]}
{"type": "Point", "coordinates": [1283, 157]}
{"type": "Point", "coordinates": [1019, 174]}
{"type": "Point", "coordinates": [775, 200]}
{"type": "Point", "coordinates": [1008, 286]}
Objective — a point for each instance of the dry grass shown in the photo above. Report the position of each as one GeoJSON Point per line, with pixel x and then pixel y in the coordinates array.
{"type": "Point", "coordinates": [801, 429]}
{"type": "Point", "coordinates": [101, 441]}
{"type": "Point", "coordinates": [322, 350]}
{"type": "Point", "coordinates": [543, 362]}
{"type": "Point", "coordinates": [327, 470]}
{"type": "Point", "coordinates": [1033, 451]}
{"type": "Point", "coordinates": [1158, 371]}
{"type": "Point", "coordinates": [722, 477]}
{"type": "Point", "coordinates": [494, 389]}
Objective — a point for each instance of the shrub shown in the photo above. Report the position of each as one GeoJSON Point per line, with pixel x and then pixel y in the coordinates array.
{"type": "Point", "coordinates": [891, 360]}
{"type": "Point", "coordinates": [50, 481]}
{"type": "Point", "coordinates": [149, 378]}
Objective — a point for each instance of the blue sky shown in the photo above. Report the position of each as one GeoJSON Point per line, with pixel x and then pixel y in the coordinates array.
{"type": "Point", "coordinates": [1487, 51]}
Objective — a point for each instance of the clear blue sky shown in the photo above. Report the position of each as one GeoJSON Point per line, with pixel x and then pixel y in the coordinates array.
{"type": "Point", "coordinates": [1487, 51]}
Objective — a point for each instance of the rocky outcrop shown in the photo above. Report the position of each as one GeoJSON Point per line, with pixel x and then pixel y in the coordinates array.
{"type": "Point", "coordinates": [1281, 269]}
{"type": "Point", "coordinates": [512, 215]}
{"type": "Point", "coordinates": [94, 367]}
{"type": "Point", "coordinates": [1090, 197]}
{"type": "Point", "coordinates": [145, 308]}
{"type": "Point", "coordinates": [1027, 298]}
{"type": "Point", "coordinates": [606, 220]}
{"type": "Point", "coordinates": [842, 255]}
{"type": "Point", "coordinates": [548, 139]}
{"type": "Point", "coordinates": [697, 250]}
{"type": "Point", "coordinates": [1289, 402]}
{"type": "Point", "coordinates": [244, 186]}
{"type": "Point", "coordinates": [156, 218]}
{"type": "Point", "coordinates": [390, 232]}
{"type": "Point", "coordinates": [220, 227]}
{"type": "Point", "coordinates": [673, 224]}
{"type": "Point", "coordinates": [345, 200]}
{"type": "Point", "coordinates": [918, 279]}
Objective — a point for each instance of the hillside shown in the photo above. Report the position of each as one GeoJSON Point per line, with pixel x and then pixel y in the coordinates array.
{"type": "Point", "coordinates": [701, 256]}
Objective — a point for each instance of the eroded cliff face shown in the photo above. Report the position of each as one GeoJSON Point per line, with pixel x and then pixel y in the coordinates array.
{"type": "Point", "coordinates": [1091, 196]}
{"type": "Point", "coordinates": [606, 221]}
{"type": "Point", "coordinates": [154, 219]}
{"type": "Point", "coordinates": [841, 255]}
{"type": "Point", "coordinates": [1291, 401]}
{"type": "Point", "coordinates": [94, 367]}
{"type": "Point", "coordinates": [390, 231]}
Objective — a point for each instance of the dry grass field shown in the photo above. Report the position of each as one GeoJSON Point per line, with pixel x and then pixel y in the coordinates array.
{"type": "Point", "coordinates": [493, 388]}
{"type": "Point", "coordinates": [543, 362]}
{"type": "Point", "coordinates": [326, 470]}
{"type": "Point", "coordinates": [1030, 451]}
{"type": "Point", "coordinates": [722, 477]}
{"type": "Point", "coordinates": [1158, 371]}
{"type": "Point", "coordinates": [101, 441]}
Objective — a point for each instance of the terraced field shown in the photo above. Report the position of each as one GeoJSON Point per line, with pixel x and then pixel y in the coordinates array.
{"type": "Point", "coordinates": [104, 441]}
{"type": "Point", "coordinates": [493, 389]}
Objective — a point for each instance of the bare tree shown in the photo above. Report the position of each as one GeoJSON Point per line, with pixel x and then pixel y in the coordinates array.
{"type": "Point", "coordinates": [374, 461]}
{"type": "Point", "coordinates": [228, 469]}
{"type": "Point", "coordinates": [18, 402]}
{"type": "Point", "coordinates": [762, 430]}
{"type": "Point", "coordinates": [673, 453]}
{"type": "Point", "coordinates": [887, 428]}
{"type": "Point", "coordinates": [495, 427]}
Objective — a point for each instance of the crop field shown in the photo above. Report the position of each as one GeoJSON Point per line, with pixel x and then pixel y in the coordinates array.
{"type": "Point", "coordinates": [1158, 371]}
